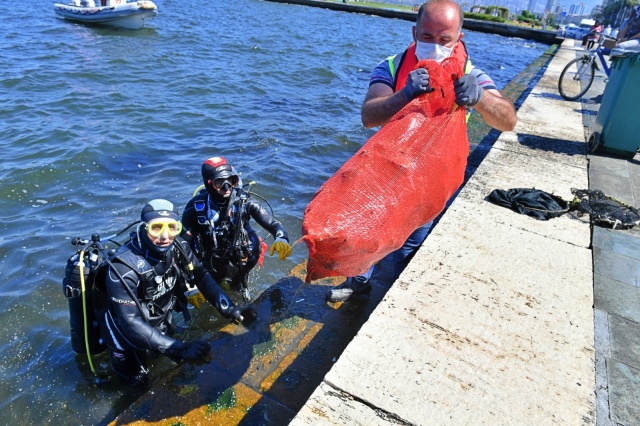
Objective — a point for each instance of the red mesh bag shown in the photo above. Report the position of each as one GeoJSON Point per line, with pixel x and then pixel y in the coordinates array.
{"type": "Point", "coordinates": [400, 179]}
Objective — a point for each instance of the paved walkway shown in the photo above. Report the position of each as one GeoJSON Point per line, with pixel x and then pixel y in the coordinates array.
{"type": "Point", "coordinates": [616, 279]}
{"type": "Point", "coordinates": [493, 321]}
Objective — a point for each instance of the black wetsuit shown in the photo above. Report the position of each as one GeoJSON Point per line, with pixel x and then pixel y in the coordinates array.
{"type": "Point", "coordinates": [138, 299]}
{"type": "Point", "coordinates": [212, 242]}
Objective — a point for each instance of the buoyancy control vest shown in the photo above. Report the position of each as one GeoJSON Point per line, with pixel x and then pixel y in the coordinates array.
{"type": "Point", "coordinates": [84, 287]}
{"type": "Point", "coordinates": [221, 232]}
{"type": "Point", "coordinates": [162, 286]}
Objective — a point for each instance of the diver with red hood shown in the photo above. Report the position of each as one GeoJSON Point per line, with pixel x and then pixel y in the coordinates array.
{"type": "Point", "coordinates": [217, 226]}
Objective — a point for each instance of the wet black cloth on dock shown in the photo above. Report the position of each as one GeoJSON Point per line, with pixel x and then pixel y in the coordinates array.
{"type": "Point", "coordinates": [530, 201]}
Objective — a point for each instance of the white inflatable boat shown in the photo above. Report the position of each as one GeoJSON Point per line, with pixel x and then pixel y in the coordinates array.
{"type": "Point", "coordinates": [116, 13]}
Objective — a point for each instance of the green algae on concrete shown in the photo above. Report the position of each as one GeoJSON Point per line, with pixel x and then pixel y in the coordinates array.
{"type": "Point", "coordinates": [226, 401]}
{"type": "Point", "coordinates": [187, 389]}
{"type": "Point", "coordinates": [263, 349]}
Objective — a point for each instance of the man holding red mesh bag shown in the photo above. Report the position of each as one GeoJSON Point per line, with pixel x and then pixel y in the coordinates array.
{"type": "Point", "coordinates": [395, 83]}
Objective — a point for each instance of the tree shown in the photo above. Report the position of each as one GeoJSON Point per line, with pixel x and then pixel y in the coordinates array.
{"type": "Point", "coordinates": [615, 12]}
{"type": "Point", "coordinates": [527, 14]}
{"type": "Point", "coordinates": [499, 11]}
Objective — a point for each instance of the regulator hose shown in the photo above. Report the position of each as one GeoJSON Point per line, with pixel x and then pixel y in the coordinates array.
{"type": "Point", "coordinates": [84, 311]}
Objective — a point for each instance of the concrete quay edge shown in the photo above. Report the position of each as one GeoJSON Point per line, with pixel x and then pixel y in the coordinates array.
{"type": "Point", "coordinates": [493, 320]}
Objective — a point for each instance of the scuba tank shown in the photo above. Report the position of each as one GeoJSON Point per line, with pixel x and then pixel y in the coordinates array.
{"type": "Point", "coordinates": [81, 276]}
{"type": "Point", "coordinates": [77, 286]}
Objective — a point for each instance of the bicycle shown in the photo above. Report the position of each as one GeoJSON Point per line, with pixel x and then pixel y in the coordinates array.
{"type": "Point", "coordinates": [577, 76]}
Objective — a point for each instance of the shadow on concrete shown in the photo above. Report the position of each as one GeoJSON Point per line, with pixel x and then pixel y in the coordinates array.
{"type": "Point", "coordinates": [295, 383]}
{"type": "Point", "coordinates": [560, 146]}
{"type": "Point", "coordinates": [266, 371]}
{"type": "Point", "coordinates": [554, 96]}
{"type": "Point", "coordinates": [597, 99]}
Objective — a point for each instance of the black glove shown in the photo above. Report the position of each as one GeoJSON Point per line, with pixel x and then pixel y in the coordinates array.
{"type": "Point", "coordinates": [243, 314]}
{"type": "Point", "coordinates": [468, 91]}
{"type": "Point", "coordinates": [195, 350]}
{"type": "Point", "coordinates": [417, 84]}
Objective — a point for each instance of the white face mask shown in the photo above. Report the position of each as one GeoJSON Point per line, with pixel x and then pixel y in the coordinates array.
{"type": "Point", "coordinates": [432, 51]}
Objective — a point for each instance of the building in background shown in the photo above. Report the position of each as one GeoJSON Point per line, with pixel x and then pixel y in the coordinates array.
{"type": "Point", "coordinates": [551, 6]}
{"type": "Point", "coordinates": [576, 9]}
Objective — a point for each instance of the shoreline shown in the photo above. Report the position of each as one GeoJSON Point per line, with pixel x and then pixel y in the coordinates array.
{"type": "Point", "coordinates": [542, 36]}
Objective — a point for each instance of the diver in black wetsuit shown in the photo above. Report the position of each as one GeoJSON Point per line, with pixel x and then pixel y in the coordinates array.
{"type": "Point", "coordinates": [210, 221]}
{"type": "Point", "coordinates": [144, 282]}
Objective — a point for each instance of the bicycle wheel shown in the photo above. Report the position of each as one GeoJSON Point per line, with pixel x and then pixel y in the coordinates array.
{"type": "Point", "coordinates": [576, 78]}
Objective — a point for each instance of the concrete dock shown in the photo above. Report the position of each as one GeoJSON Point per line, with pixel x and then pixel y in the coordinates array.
{"type": "Point", "coordinates": [499, 318]}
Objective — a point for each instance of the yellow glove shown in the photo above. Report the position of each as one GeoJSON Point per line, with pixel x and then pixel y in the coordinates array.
{"type": "Point", "coordinates": [195, 297]}
{"type": "Point", "coordinates": [282, 247]}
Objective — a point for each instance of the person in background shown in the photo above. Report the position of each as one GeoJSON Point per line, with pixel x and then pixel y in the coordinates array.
{"type": "Point", "coordinates": [594, 34]}
{"type": "Point", "coordinates": [228, 249]}
{"type": "Point", "coordinates": [145, 281]}
{"type": "Point", "coordinates": [629, 35]}
{"type": "Point", "coordinates": [394, 83]}
{"type": "Point", "coordinates": [607, 31]}
{"type": "Point", "coordinates": [614, 32]}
